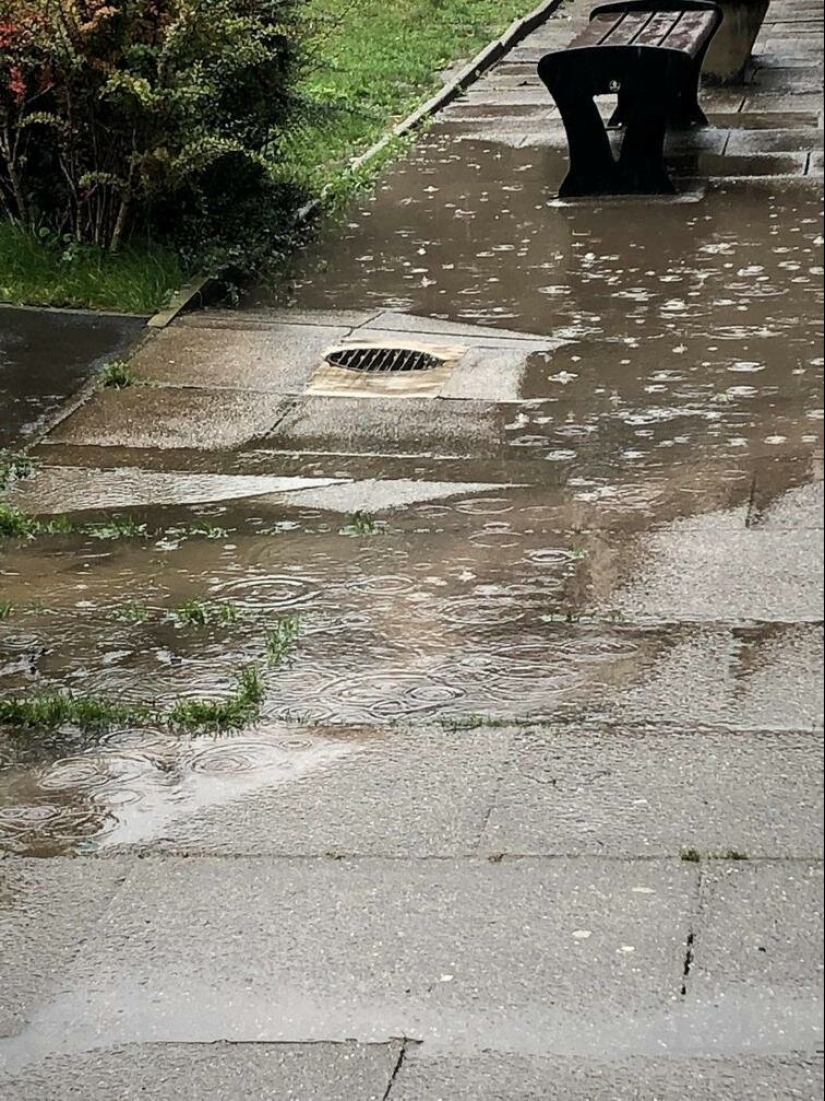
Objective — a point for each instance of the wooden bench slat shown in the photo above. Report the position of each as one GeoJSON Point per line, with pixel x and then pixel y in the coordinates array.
{"type": "Point", "coordinates": [630, 27]}
{"type": "Point", "coordinates": [596, 31]}
{"type": "Point", "coordinates": [691, 32]}
{"type": "Point", "coordinates": [660, 26]}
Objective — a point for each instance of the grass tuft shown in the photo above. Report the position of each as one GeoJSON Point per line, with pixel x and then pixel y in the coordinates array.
{"type": "Point", "coordinates": [238, 710]}
{"type": "Point", "coordinates": [117, 375]}
{"type": "Point", "coordinates": [6, 609]}
{"type": "Point", "coordinates": [282, 639]}
{"type": "Point", "coordinates": [198, 613]}
{"type": "Point", "coordinates": [691, 856]}
{"type": "Point", "coordinates": [14, 467]}
{"type": "Point", "coordinates": [361, 524]}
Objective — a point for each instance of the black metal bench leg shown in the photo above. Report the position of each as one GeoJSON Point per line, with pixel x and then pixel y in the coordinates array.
{"type": "Point", "coordinates": [689, 113]}
{"type": "Point", "coordinates": [593, 169]}
{"type": "Point", "coordinates": [642, 160]}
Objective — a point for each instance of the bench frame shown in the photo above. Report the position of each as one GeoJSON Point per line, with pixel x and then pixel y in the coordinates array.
{"type": "Point", "coordinates": [657, 87]}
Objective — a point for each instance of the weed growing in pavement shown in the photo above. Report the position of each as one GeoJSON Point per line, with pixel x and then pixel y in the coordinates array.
{"type": "Point", "coordinates": [50, 711]}
{"type": "Point", "coordinates": [691, 856]}
{"type": "Point", "coordinates": [198, 613]}
{"type": "Point", "coordinates": [56, 709]}
{"type": "Point", "coordinates": [282, 639]}
{"type": "Point", "coordinates": [16, 524]}
{"type": "Point", "coordinates": [132, 613]}
{"type": "Point", "coordinates": [361, 524]}
{"type": "Point", "coordinates": [14, 467]}
{"type": "Point", "coordinates": [6, 609]}
{"type": "Point", "coordinates": [117, 375]}
{"type": "Point", "coordinates": [116, 527]}
{"type": "Point", "coordinates": [735, 854]}
{"type": "Point", "coordinates": [238, 710]}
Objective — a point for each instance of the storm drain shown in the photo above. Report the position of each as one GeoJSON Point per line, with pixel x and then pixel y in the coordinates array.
{"type": "Point", "coordinates": [382, 369]}
{"type": "Point", "coordinates": [383, 360]}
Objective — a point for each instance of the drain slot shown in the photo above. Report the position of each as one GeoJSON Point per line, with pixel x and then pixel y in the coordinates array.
{"type": "Point", "coordinates": [380, 361]}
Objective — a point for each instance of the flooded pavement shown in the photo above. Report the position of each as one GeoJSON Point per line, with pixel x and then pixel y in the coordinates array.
{"type": "Point", "coordinates": [44, 357]}
{"type": "Point", "coordinates": [538, 640]}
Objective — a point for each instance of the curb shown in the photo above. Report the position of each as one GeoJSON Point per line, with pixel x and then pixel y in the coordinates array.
{"type": "Point", "coordinates": [199, 292]}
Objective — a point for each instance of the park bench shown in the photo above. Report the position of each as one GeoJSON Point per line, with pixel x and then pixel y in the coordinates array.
{"type": "Point", "coordinates": [650, 54]}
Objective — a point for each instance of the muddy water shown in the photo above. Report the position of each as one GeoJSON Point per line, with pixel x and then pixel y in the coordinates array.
{"type": "Point", "coordinates": [44, 356]}
{"type": "Point", "coordinates": [682, 409]}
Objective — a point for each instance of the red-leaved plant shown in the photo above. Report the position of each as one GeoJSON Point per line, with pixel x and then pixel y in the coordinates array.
{"type": "Point", "coordinates": [111, 108]}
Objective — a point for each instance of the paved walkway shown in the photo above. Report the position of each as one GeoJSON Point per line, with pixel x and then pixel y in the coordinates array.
{"type": "Point", "coordinates": [535, 811]}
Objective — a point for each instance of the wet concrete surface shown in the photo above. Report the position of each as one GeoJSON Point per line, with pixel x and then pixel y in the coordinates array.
{"type": "Point", "coordinates": [44, 357]}
{"type": "Point", "coordinates": [540, 787]}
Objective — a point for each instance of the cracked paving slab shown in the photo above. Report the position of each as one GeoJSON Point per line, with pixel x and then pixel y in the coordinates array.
{"type": "Point", "coordinates": [195, 1072]}
{"type": "Point", "coordinates": [442, 951]}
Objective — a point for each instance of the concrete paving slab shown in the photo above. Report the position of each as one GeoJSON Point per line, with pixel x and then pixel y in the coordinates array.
{"type": "Point", "coordinates": [166, 418]}
{"type": "Point", "coordinates": [761, 931]}
{"type": "Point", "coordinates": [768, 103]}
{"type": "Point", "coordinates": [767, 677]}
{"type": "Point", "coordinates": [800, 509]}
{"type": "Point", "coordinates": [192, 1072]}
{"type": "Point", "coordinates": [492, 1077]}
{"type": "Point", "coordinates": [457, 954]}
{"type": "Point", "coordinates": [62, 489]}
{"type": "Point", "coordinates": [400, 792]}
{"type": "Point", "coordinates": [709, 572]}
{"type": "Point", "coordinates": [651, 792]}
{"type": "Point", "coordinates": [280, 359]}
{"type": "Point", "coordinates": [381, 426]}
{"type": "Point", "coordinates": [774, 141]}
{"type": "Point", "coordinates": [48, 910]}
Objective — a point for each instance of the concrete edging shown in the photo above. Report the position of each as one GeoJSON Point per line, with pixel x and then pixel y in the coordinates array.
{"type": "Point", "coordinates": [197, 291]}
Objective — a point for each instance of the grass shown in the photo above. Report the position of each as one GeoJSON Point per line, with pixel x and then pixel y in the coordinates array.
{"type": "Point", "coordinates": [361, 524]}
{"type": "Point", "coordinates": [282, 639]}
{"type": "Point", "coordinates": [132, 613]}
{"type": "Point", "coordinates": [198, 613]}
{"type": "Point", "coordinates": [50, 711]}
{"type": "Point", "coordinates": [14, 467]}
{"type": "Point", "coordinates": [35, 271]}
{"type": "Point", "coordinates": [117, 375]}
{"type": "Point", "coordinates": [691, 856]}
{"type": "Point", "coordinates": [372, 63]}
{"type": "Point", "coordinates": [6, 610]}
{"type": "Point", "coordinates": [238, 710]}
{"type": "Point", "coordinates": [16, 524]}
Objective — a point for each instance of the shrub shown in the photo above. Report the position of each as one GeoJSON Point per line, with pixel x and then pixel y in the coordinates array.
{"type": "Point", "coordinates": [119, 113]}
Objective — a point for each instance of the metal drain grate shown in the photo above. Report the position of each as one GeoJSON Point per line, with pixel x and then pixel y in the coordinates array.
{"type": "Point", "coordinates": [375, 361]}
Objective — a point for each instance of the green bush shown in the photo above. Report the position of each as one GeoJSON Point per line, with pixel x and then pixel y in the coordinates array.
{"type": "Point", "coordinates": [118, 114]}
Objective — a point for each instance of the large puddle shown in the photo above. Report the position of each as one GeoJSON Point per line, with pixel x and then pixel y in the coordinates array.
{"type": "Point", "coordinates": [595, 580]}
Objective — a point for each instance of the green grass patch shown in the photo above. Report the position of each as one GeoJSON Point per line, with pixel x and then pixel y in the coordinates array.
{"type": "Point", "coordinates": [282, 639]}
{"type": "Point", "coordinates": [16, 524]}
{"type": "Point", "coordinates": [117, 375]}
{"type": "Point", "coordinates": [39, 271]}
{"type": "Point", "coordinates": [238, 710]}
{"type": "Point", "coordinates": [371, 64]}
{"type": "Point", "coordinates": [361, 524]}
{"type": "Point", "coordinates": [51, 711]}
{"type": "Point", "coordinates": [6, 610]}
{"type": "Point", "coordinates": [14, 467]}
{"type": "Point", "coordinates": [199, 613]}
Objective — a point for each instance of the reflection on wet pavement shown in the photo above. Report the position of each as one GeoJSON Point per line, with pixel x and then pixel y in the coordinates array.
{"type": "Point", "coordinates": [45, 355]}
